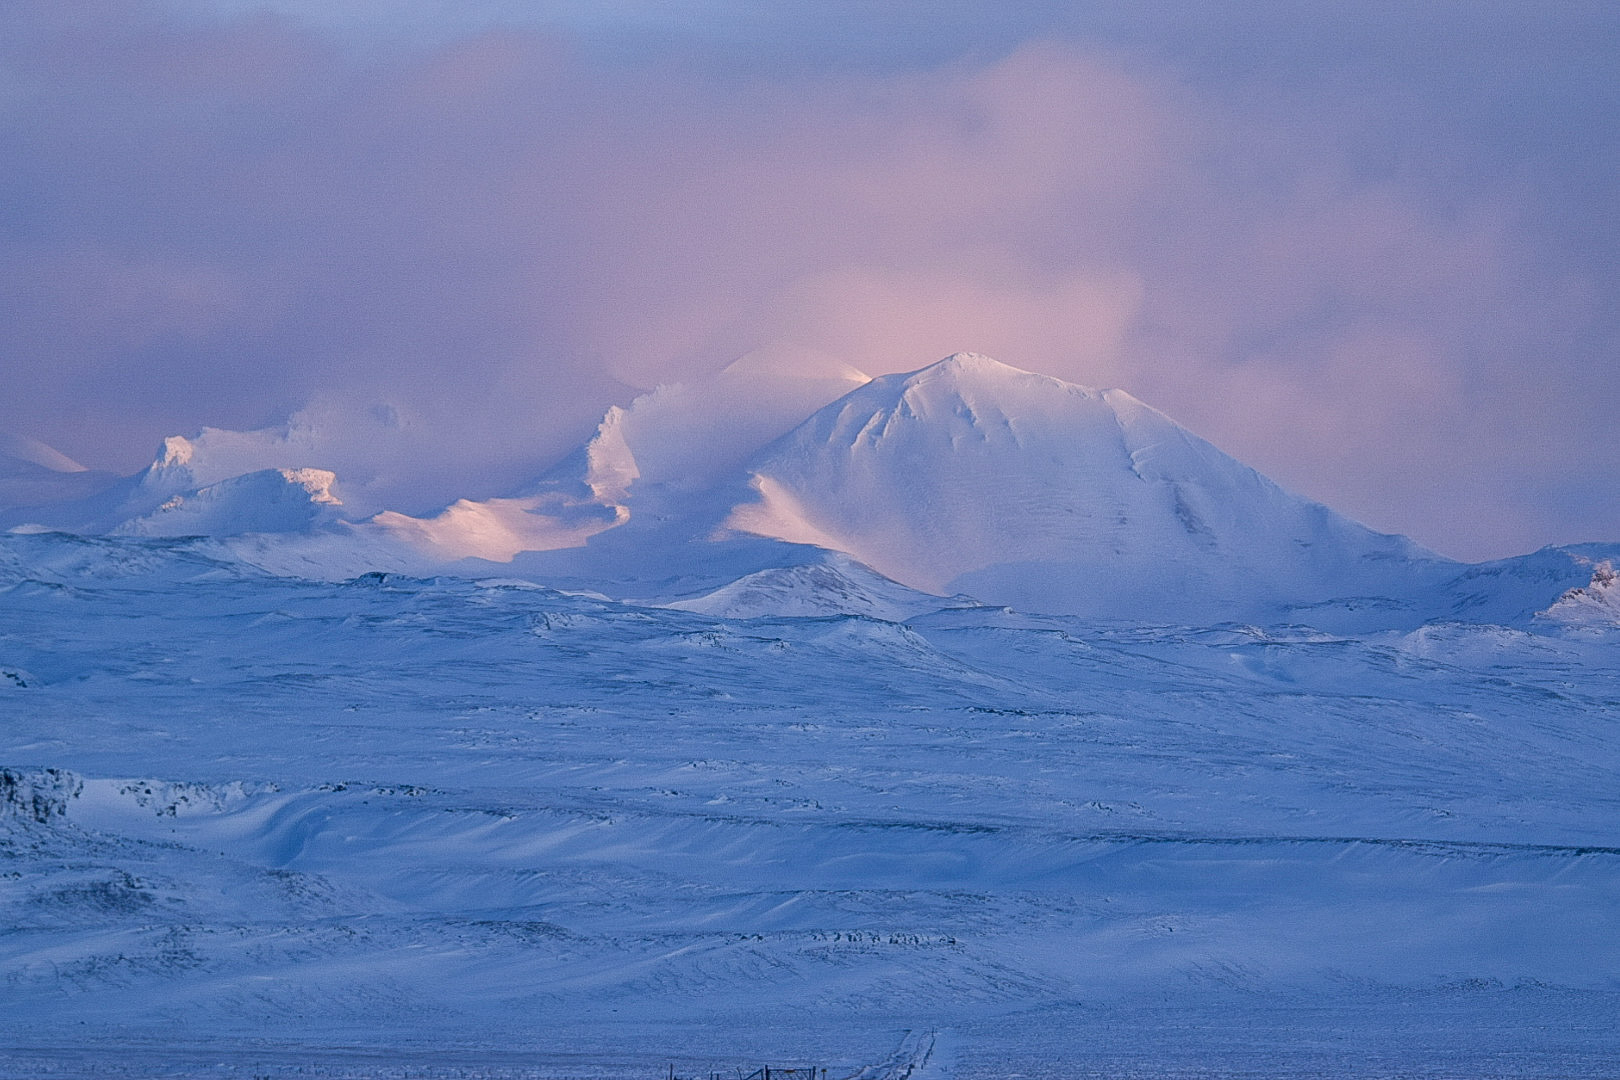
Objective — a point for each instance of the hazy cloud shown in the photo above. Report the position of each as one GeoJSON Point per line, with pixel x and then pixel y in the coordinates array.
{"type": "Point", "coordinates": [446, 237]}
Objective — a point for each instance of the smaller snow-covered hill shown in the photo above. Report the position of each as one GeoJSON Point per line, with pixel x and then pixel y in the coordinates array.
{"type": "Point", "coordinates": [187, 491]}
{"type": "Point", "coordinates": [32, 473]}
{"type": "Point", "coordinates": [833, 585]}
{"type": "Point", "coordinates": [267, 501]}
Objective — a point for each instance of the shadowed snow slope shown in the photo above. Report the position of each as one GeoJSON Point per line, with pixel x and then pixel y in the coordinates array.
{"type": "Point", "coordinates": [976, 477]}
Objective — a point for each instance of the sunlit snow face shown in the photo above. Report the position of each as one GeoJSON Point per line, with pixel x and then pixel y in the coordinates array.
{"type": "Point", "coordinates": [1295, 237]}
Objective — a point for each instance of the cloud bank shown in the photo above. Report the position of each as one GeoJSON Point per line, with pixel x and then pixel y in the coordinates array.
{"type": "Point", "coordinates": [443, 248]}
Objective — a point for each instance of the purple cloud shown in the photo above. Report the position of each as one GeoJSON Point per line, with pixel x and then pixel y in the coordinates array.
{"type": "Point", "coordinates": [488, 233]}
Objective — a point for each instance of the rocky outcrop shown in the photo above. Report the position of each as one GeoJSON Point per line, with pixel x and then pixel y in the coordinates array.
{"type": "Point", "coordinates": [37, 795]}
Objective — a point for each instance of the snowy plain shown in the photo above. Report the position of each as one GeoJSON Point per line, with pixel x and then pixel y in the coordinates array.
{"type": "Point", "coordinates": [672, 797]}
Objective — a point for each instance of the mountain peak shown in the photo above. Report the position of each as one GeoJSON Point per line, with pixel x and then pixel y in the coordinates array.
{"type": "Point", "coordinates": [177, 450]}
{"type": "Point", "coordinates": [972, 364]}
{"type": "Point", "coordinates": [985, 384]}
{"type": "Point", "coordinates": [267, 501]}
{"type": "Point", "coordinates": [972, 361]}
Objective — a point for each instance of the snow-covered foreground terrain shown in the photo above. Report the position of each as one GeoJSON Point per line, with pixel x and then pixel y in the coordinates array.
{"type": "Point", "coordinates": [262, 826]}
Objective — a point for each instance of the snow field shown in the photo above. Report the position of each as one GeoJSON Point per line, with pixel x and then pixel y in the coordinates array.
{"type": "Point", "coordinates": [485, 818]}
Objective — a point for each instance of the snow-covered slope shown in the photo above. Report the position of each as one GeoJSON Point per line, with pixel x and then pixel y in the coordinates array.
{"type": "Point", "coordinates": [684, 758]}
{"type": "Point", "coordinates": [833, 585]}
{"type": "Point", "coordinates": [972, 476]}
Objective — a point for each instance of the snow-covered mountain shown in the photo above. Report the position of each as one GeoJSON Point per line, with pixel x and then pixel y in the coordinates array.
{"type": "Point", "coordinates": [267, 501]}
{"type": "Point", "coordinates": [971, 476]}
{"type": "Point", "coordinates": [967, 476]}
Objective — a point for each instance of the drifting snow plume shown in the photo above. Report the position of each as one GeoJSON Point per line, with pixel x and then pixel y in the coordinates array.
{"type": "Point", "coordinates": [498, 529]}
{"type": "Point", "coordinates": [580, 498]}
{"type": "Point", "coordinates": [662, 455]}
{"type": "Point", "coordinates": [691, 435]}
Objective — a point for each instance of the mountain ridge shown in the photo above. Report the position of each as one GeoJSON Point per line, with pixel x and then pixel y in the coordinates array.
{"type": "Point", "coordinates": [967, 477]}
